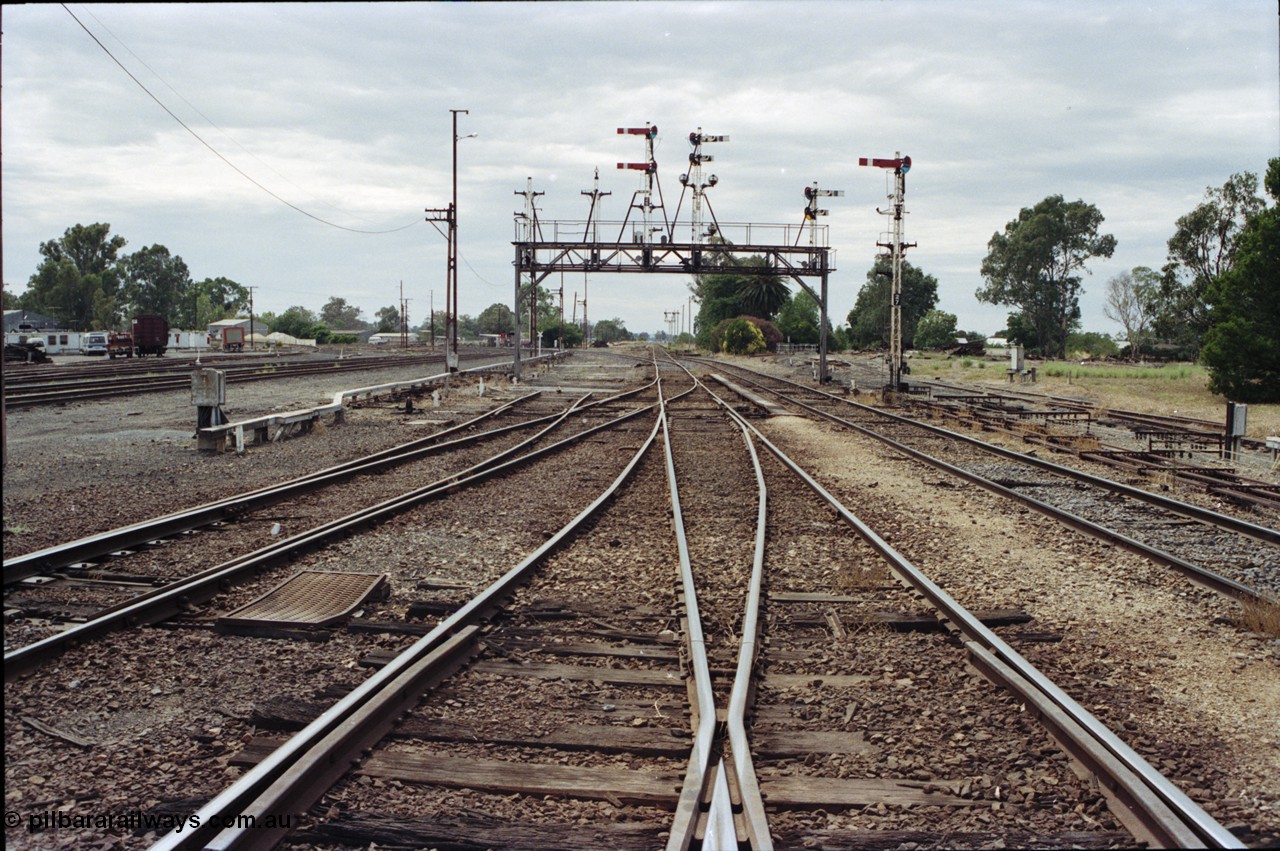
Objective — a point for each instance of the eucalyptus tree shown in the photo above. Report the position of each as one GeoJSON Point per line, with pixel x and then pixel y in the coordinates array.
{"type": "Point", "coordinates": [1036, 265]}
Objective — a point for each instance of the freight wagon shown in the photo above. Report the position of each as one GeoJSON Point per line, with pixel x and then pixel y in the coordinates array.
{"type": "Point", "coordinates": [233, 339]}
{"type": "Point", "coordinates": [150, 334]}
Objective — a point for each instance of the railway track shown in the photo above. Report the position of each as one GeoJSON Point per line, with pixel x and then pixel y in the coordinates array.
{"type": "Point", "coordinates": [64, 384]}
{"type": "Point", "coordinates": [295, 776]}
{"type": "Point", "coordinates": [573, 700]}
{"type": "Point", "coordinates": [165, 545]}
{"type": "Point", "coordinates": [1183, 536]}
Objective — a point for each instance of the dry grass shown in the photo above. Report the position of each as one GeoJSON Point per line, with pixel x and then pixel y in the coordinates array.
{"type": "Point", "coordinates": [1161, 480]}
{"type": "Point", "coordinates": [1262, 616]}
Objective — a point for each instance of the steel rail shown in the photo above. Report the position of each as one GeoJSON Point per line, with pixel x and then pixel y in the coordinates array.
{"type": "Point", "coordinates": [1195, 572]}
{"type": "Point", "coordinates": [719, 831]}
{"type": "Point", "coordinates": [93, 546]}
{"type": "Point", "coordinates": [1151, 806]}
{"type": "Point", "coordinates": [755, 820]}
{"type": "Point", "coordinates": [169, 600]}
{"type": "Point", "coordinates": [301, 769]}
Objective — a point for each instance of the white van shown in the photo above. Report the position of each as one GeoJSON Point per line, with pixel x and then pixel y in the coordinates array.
{"type": "Point", "coordinates": [95, 343]}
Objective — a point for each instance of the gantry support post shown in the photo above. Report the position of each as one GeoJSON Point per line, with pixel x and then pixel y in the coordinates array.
{"type": "Point", "coordinates": [823, 376]}
{"type": "Point", "coordinates": [515, 363]}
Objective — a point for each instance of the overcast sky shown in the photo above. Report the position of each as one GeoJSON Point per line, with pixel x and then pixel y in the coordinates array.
{"type": "Point", "coordinates": [342, 110]}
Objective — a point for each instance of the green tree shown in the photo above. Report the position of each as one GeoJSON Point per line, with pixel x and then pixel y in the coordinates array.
{"type": "Point", "coordinates": [79, 277]}
{"type": "Point", "coordinates": [1019, 330]}
{"type": "Point", "coordinates": [296, 321]}
{"type": "Point", "coordinates": [105, 315]}
{"type": "Point", "coordinates": [869, 319]}
{"type": "Point", "coordinates": [61, 290]}
{"type": "Point", "coordinates": [739, 336]}
{"type": "Point", "coordinates": [1036, 263]}
{"type": "Point", "coordinates": [156, 281]}
{"type": "Point", "coordinates": [388, 319]}
{"type": "Point", "coordinates": [91, 248]}
{"type": "Point", "coordinates": [227, 299]}
{"type": "Point", "coordinates": [548, 312]}
{"type": "Point", "coordinates": [1242, 346]}
{"type": "Point", "coordinates": [1202, 248]}
{"type": "Point", "coordinates": [798, 319]}
{"type": "Point", "coordinates": [1091, 344]}
{"type": "Point", "coordinates": [610, 330]}
{"type": "Point", "coordinates": [497, 318]}
{"type": "Point", "coordinates": [935, 330]}
{"type": "Point", "coordinates": [338, 314]}
{"type": "Point", "coordinates": [736, 291]}
{"type": "Point", "coordinates": [572, 335]}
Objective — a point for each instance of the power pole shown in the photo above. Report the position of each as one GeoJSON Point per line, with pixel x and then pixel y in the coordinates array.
{"type": "Point", "coordinates": [432, 305]}
{"type": "Point", "coordinates": [900, 165]}
{"type": "Point", "coordinates": [404, 318]}
{"type": "Point", "coordinates": [451, 322]}
{"type": "Point", "coordinates": [251, 325]}
{"type": "Point", "coordinates": [449, 215]}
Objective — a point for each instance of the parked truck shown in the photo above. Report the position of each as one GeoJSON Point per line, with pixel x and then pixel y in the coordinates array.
{"type": "Point", "coordinates": [233, 339]}
{"type": "Point", "coordinates": [119, 345]}
{"type": "Point", "coordinates": [150, 334]}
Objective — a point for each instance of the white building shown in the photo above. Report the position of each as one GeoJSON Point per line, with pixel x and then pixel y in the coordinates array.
{"type": "Point", "coordinates": [391, 338]}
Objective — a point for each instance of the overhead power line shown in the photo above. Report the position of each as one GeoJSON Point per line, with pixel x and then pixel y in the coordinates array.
{"type": "Point", "coordinates": [214, 150]}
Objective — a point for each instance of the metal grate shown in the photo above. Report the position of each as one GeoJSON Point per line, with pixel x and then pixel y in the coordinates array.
{"type": "Point", "coordinates": [309, 598]}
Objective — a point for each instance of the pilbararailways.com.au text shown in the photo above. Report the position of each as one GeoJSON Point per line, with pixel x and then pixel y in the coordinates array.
{"type": "Point", "coordinates": [134, 820]}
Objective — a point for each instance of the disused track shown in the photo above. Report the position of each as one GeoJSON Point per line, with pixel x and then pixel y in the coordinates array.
{"type": "Point", "coordinates": [1169, 452]}
{"type": "Point", "coordinates": [1184, 536]}
{"type": "Point", "coordinates": [1192, 429]}
{"type": "Point", "coordinates": [64, 384]}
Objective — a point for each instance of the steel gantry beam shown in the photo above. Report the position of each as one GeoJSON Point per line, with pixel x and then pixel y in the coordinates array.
{"type": "Point", "coordinates": [535, 260]}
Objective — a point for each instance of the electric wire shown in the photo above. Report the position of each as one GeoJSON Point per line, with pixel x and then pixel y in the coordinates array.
{"type": "Point", "coordinates": [214, 150]}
